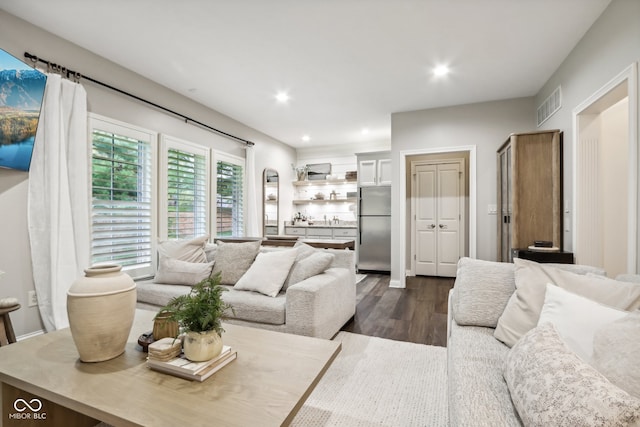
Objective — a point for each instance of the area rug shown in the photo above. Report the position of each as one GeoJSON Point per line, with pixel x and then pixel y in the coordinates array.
{"type": "Point", "coordinates": [360, 278]}
{"type": "Point", "coordinates": [379, 382]}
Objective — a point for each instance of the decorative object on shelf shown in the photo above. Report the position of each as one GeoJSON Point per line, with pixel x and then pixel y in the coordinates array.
{"type": "Point", "coordinates": [333, 195]}
{"type": "Point", "coordinates": [351, 175]}
{"type": "Point", "coordinates": [200, 315]}
{"type": "Point", "coordinates": [301, 172]}
{"type": "Point", "coordinates": [318, 171]}
{"type": "Point", "coordinates": [101, 306]}
{"type": "Point", "coordinates": [319, 196]}
{"type": "Point", "coordinates": [271, 197]}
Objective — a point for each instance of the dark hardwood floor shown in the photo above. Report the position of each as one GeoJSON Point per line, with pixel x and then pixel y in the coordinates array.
{"type": "Point", "coordinates": [417, 313]}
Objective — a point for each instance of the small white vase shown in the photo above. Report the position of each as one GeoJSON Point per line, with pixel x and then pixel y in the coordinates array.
{"type": "Point", "coordinates": [101, 307]}
{"type": "Point", "coordinates": [201, 346]}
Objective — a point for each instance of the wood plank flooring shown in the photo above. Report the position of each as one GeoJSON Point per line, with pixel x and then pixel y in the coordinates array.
{"type": "Point", "coordinates": [417, 313]}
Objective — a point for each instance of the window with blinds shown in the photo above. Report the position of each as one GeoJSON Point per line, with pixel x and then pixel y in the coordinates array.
{"type": "Point", "coordinates": [121, 203]}
{"type": "Point", "coordinates": [229, 199]}
{"type": "Point", "coordinates": [186, 194]}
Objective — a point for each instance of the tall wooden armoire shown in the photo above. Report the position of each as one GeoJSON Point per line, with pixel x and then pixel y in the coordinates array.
{"type": "Point", "coordinates": [529, 191]}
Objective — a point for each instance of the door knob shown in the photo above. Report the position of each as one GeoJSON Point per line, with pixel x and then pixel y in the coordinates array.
{"type": "Point", "coordinates": [432, 226]}
{"type": "Point", "coordinates": [442, 226]}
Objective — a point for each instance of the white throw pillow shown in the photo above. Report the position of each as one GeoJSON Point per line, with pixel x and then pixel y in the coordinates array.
{"type": "Point", "coordinates": [300, 270]}
{"type": "Point", "coordinates": [176, 272]}
{"type": "Point", "coordinates": [551, 386]}
{"type": "Point", "coordinates": [523, 309]}
{"type": "Point", "coordinates": [576, 318]}
{"type": "Point", "coordinates": [616, 352]}
{"type": "Point", "coordinates": [184, 250]}
{"type": "Point", "coordinates": [268, 272]}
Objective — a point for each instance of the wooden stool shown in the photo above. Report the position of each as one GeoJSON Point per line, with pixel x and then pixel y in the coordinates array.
{"type": "Point", "coordinates": [7, 336]}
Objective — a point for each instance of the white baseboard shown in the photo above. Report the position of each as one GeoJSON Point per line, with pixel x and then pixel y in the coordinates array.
{"type": "Point", "coordinates": [30, 335]}
{"type": "Point", "coordinates": [395, 284]}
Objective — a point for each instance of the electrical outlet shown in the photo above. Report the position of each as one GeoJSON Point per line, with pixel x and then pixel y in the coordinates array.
{"type": "Point", "coordinates": [33, 299]}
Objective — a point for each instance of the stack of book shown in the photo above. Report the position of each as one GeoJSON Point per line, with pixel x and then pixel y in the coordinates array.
{"type": "Point", "coordinates": [182, 367]}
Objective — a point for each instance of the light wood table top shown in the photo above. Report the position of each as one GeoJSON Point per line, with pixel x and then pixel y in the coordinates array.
{"type": "Point", "coordinates": [266, 385]}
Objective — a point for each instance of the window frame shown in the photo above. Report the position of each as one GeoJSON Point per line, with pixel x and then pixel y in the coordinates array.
{"type": "Point", "coordinates": [167, 143]}
{"type": "Point", "coordinates": [220, 156]}
{"type": "Point", "coordinates": [116, 127]}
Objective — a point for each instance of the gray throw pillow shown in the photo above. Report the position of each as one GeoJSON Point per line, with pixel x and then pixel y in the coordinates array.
{"type": "Point", "coordinates": [232, 260]}
{"type": "Point", "coordinates": [310, 266]}
{"type": "Point", "coordinates": [616, 352]}
{"type": "Point", "coordinates": [482, 290]}
{"type": "Point", "coordinates": [176, 272]}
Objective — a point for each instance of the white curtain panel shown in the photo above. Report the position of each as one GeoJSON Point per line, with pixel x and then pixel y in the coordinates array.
{"type": "Point", "coordinates": [251, 229]}
{"type": "Point", "coordinates": [59, 201]}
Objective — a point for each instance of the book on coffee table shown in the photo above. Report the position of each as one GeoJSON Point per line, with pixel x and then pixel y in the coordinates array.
{"type": "Point", "coordinates": [199, 371]}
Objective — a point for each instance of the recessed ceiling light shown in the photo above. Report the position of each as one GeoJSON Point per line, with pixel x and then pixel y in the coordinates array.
{"type": "Point", "coordinates": [306, 138]}
{"type": "Point", "coordinates": [364, 131]}
{"type": "Point", "coordinates": [441, 70]}
{"type": "Point", "coordinates": [282, 97]}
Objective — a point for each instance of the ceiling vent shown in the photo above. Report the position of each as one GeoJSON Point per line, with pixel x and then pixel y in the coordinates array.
{"type": "Point", "coordinates": [550, 106]}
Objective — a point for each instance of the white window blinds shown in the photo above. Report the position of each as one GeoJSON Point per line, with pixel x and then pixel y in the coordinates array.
{"type": "Point", "coordinates": [186, 189]}
{"type": "Point", "coordinates": [229, 197]}
{"type": "Point", "coordinates": [122, 215]}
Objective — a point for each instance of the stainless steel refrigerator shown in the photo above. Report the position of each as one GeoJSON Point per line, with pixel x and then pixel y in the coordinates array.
{"type": "Point", "coordinates": [374, 229]}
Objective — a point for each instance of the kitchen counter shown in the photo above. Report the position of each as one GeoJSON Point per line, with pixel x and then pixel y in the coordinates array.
{"type": "Point", "coordinates": [322, 225]}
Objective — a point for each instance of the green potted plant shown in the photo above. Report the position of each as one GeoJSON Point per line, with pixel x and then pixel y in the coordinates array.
{"type": "Point", "coordinates": [199, 314]}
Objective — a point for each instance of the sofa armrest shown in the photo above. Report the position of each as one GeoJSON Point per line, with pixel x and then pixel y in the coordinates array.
{"type": "Point", "coordinates": [320, 305]}
{"type": "Point", "coordinates": [449, 313]}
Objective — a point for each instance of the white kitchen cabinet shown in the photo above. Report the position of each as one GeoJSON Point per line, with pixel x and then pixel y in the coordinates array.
{"type": "Point", "coordinates": [345, 233]}
{"type": "Point", "coordinates": [374, 172]}
{"type": "Point", "coordinates": [367, 173]}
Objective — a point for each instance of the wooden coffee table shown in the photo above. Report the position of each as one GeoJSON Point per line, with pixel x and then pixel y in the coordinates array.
{"type": "Point", "coordinates": [266, 385]}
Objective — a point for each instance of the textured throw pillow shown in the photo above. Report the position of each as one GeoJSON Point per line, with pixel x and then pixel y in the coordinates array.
{"type": "Point", "coordinates": [176, 272]}
{"type": "Point", "coordinates": [310, 266]}
{"type": "Point", "coordinates": [184, 250]}
{"type": "Point", "coordinates": [304, 251]}
{"type": "Point", "coordinates": [523, 309]}
{"type": "Point", "coordinates": [210, 251]}
{"type": "Point", "coordinates": [551, 386]}
{"type": "Point", "coordinates": [576, 318]}
{"type": "Point", "coordinates": [616, 352]}
{"type": "Point", "coordinates": [234, 259]}
{"type": "Point", "coordinates": [268, 272]}
{"type": "Point", "coordinates": [482, 290]}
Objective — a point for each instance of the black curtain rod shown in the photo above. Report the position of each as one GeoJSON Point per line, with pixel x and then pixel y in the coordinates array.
{"type": "Point", "coordinates": [76, 75]}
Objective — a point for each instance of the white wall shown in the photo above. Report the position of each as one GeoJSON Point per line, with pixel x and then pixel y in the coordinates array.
{"type": "Point", "coordinates": [18, 36]}
{"type": "Point", "coordinates": [485, 125]}
{"type": "Point", "coordinates": [609, 47]}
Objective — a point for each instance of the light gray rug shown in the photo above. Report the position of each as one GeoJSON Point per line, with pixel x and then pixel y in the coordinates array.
{"type": "Point", "coordinates": [380, 382]}
{"type": "Point", "coordinates": [360, 277]}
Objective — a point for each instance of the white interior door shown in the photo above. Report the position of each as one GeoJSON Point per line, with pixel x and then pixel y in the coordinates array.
{"type": "Point", "coordinates": [449, 216]}
{"type": "Point", "coordinates": [438, 208]}
{"type": "Point", "coordinates": [426, 219]}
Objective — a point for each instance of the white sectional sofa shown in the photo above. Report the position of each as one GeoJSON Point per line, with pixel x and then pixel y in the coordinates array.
{"type": "Point", "coordinates": [317, 306]}
{"type": "Point", "coordinates": [538, 381]}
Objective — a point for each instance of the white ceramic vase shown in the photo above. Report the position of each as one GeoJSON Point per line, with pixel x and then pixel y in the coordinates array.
{"type": "Point", "coordinates": [201, 346]}
{"type": "Point", "coordinates": [101, 306]}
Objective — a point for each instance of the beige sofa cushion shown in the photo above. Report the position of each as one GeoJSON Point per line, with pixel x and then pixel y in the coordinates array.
{"type": "Point", "coordinates": [523, 309]}
{"type": "Point", "coordinates": [482, 290]}
{"type": "Point", "coordinates": [184, 250]}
